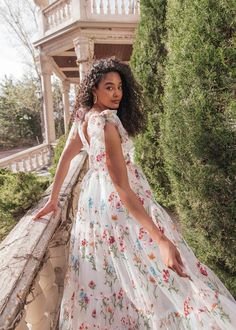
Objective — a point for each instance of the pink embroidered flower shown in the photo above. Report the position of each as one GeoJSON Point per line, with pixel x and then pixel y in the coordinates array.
{"type": "Point", "coordinates": [84, 242]}
{"type": "Point", "coordinates": [141, 233]}
{"type": "Point", "coordinates": [109, 309]}
{"type": "Point", "coordinates": [94, 313]}
{"type": "Point", "coordinates": [92, 284]}
{"type": "Point", "coordinates": [111, 240]}
{"type": "Point", "coordinates": [100, 156]}
{"type": "Point", "coordinates": [120, 293]}
{"type": "Point", "coordinates": [104, 235]}
{"type": "Point", "coordinates": [187, 308]}
{"type": "Point", "coordinates": [166, 275]}
{"type": "Point", "coordinates": [110, 198]}
{"type": "Point", "coordinates": [141, 200]}
{"type": "Point", "coordinates": [122, 247]}
{"type": "Point", "coordinates": [86, 299]}
{"type": "Point", "coordinates": [136, 174]}
{"type": "Point", "coordinates": [148, 193]}
{"type": "Point", "coordinates": [83, 326]}
{"type": "Point", "coordinates": [203, 270]}
{"type": "Point", "coordinates": [118, 205]}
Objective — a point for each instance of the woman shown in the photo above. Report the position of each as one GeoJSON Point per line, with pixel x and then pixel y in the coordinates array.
{"type": "Point", "coordinates": [129, 267]}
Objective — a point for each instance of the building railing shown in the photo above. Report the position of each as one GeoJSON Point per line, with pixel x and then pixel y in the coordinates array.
{"type": "Point", "coordinates": [29, 160]}
{"type": "Point", "coordinates": [34, 259]}
{"type": "Point", "coordinates": [63, 12]}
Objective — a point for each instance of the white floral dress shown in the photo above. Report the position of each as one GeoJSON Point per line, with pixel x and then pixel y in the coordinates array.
{"type": "Point", "coordinates": [115, 277]}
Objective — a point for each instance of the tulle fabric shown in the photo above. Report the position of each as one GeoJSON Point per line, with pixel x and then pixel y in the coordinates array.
{"type": "Point", "coordinates": [115, 277]}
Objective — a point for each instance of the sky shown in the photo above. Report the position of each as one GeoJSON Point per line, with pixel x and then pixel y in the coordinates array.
{"type": "Point", "coordinates": [12, 54]}
{"type": "Point", "coordinates": [10, 61]}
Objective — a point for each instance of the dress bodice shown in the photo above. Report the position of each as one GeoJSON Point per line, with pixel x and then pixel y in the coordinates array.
{"type": "Point", "coordinates": [95, 129]}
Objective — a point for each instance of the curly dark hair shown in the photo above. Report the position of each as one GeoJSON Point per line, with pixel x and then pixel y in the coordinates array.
{"type": "Point", "coordinates": [130, 109]}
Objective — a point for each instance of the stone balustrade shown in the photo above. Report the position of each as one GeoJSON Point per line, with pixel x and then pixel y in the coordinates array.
{"type": "Point", "coordinates": [29, 160]}
{"type": "Point", "coordinates": [33, 259]}
{"type": "Point", "coordinates": [63, 12]}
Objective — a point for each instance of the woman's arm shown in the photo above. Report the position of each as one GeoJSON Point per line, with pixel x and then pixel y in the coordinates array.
{"type": "Point", "coordinates": [118, 172]}
{"type": "Point", "coordinates": [70, 151]}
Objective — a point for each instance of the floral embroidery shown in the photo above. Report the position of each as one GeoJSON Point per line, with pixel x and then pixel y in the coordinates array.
{"type": "Point", "coordinates": [203, 270]}
{"type": "Point", "coordinates": [116, 278]}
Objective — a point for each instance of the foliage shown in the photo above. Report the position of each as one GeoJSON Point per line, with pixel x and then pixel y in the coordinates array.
{"type": "Point", "coordinates": [57, 154]}
{"type": "Point", "coordinates": [197, 134]}
{"type": "Point", "coordinates": [20, 109]}
{"type": "Point", "coordinates": [58, 108]}
{"type": "Point", "coordinates": [148, 64]}
{"type": "Point", "coordinates": [19, 113]}
{"type": "Point", "coordinates": [18, 192]}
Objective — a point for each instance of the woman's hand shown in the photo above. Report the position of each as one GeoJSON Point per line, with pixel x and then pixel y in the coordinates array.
{"type": "Point", "coordinates": [50, 206]}
{"type": "Point", "coordinates": [171, 256]}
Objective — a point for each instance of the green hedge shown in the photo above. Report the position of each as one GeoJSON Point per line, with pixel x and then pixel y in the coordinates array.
{"type": "Point", "coordinates": [197, 132]}
{"type": "Point", "coordinates": [57, 154]}
{"type": "Point", "coordinates": [18, 192]}
{"type": "Point", "coordinates": [148, 64]}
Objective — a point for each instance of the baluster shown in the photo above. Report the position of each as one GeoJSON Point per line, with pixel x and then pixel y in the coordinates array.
{"type": "Point", "coordinates": [122, 7]}
{"type": "Point", "coordinates": [47, 24]}
{"type": "Point", "coordinates": [116, 7]}
{"type": "Point", "coordinates": [31, 167]}
{"type": "Point", "coordinates": [47, 153]}
{"type": "Point", "coordinates": [68, 8]}
{"type": "Point", "coordinates": [35, 310]}
{"type": "Point", "coordinates": [49, 19]}
{"type": "Point", "coordinates": [108, 7]}
{"type": "Point", "coordinates": [10, 167]}
{"type": "Point", "coordinates": [59, 14]}
{"type": "Point", "coordinates": [24, 165]}
{"type": "Point", "coordinates": [56, 16]}
{"type": "Point", "coordinates": [94, 7]}
{"type": "Point", "coordinates": [53, 20]}
{"type": "Point", "coordinates": [17, 163]}
{"type": "Point", "coordinates": [37, 160]}
{"type": "Point", "coordinates": [136, 8]}
{"type": "Point", "coordinates": [102, 5]}
{"type": "Point", "coordinates": [64, 11]}
{"type": "Point", "coordinates": [43, 158]}
{"type": "Point", "coordinates": [128, 7]}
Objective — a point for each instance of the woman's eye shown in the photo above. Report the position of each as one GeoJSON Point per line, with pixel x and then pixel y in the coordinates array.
{"type": "Point", "coordinates": [110, 88]}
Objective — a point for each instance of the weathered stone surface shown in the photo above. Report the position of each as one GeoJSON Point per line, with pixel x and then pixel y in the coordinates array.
{"type": "Point", "coordinates": [22, 252]}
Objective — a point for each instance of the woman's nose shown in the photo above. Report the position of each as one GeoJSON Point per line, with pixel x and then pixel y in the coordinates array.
{"type": "Point", "coordinates": [117, 91]}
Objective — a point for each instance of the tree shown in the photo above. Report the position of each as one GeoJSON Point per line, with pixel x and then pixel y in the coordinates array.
{"type": "Point", "coordinates": [19, 113]}
{"type": "Point", "coordinates": [148, 64]}
{"type": "Point", "coordinates": [198, 137]}
{"type": "Point", "coordinates": [19, 19]}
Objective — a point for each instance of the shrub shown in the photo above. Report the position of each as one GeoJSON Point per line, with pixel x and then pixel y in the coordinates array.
{"type": "Point", "coordinates": [198, 137]}
{"type": "Point", "coordinates": [18, 192]}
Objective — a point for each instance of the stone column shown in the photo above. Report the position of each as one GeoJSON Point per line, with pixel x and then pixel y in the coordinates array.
{"type": "Point", "coordinates": [84, 48]}
{"type": "Point", "coordinates": [46, 72]}
{"type": "Point", "coordinates": [66, 103]}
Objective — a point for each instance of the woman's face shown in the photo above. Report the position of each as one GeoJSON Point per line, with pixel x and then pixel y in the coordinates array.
{"type": "Point", "coordinates": [109, 91]}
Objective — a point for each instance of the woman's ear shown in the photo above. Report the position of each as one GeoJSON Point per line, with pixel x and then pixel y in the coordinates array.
{"type": "Point", "coordinates": [94, 91]}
